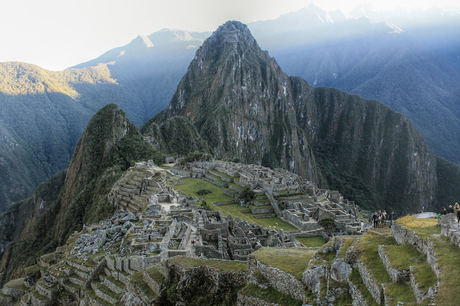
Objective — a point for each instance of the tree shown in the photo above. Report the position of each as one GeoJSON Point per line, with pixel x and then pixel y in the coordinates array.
{"type": "Point", "coordinates": [247, 195]}
{"type": "Point", "coordinates": [328, 224]}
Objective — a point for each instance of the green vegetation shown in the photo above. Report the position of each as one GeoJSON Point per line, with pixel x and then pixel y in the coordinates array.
{"type": "Point", "coordinates": [424, 228]}
{"type": "Point", "coordinates": [346, 243]}
{"type": "Point", "coordinates": [270, 295]}
{"type": "Point", "coordinates": [328, 224]}
{"type": "Point", "coordinates": [356, 279]}
{"type": "Point", "coordinates": [93, 295]}
{"type": "Point", "coordinates": [322, 258]}
{"type": "Point", "coordinates": [367, 248]}
{"type": "Point", "coordinates": [449, 265]}
{"type": "Point", "coordinates": [401, 257]}
{"type": "Point", "coordinates": [17, 284]}
{"type": "Point", "coordinates": [138, 280]}
{"type": "Point", "coordinates": [247, 195]}
{"type": "Point", "coordinates": [399, 292]}
{"type": "Point", "coordinates": [219, 265]}
{"type": "Point", "coordinates": [217, 195]}
{"type": "Point", "coordinates": [291, 260]}
{"type": "Point", "coordinates": [156, 275]}
{"type": "Point", "coordinates": [309, 242]}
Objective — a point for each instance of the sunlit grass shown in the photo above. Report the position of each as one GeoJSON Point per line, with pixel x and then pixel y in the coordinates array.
{"type": "Point", "coordinates": [424, 228]}
{"type": "Point", "coordinates": [291, 260]}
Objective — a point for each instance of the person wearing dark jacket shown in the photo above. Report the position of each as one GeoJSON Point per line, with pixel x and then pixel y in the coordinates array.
{"type": "Point", "coordinates": [458, 216]}
{"type": "Point", "coordinates": [443, 211]}
{"type": "Point", "coordinates": [390, 217]}
{"type": "Point", "coordinates": [450, 210]}
{"type": "Point", "coordinates": [375, 218]}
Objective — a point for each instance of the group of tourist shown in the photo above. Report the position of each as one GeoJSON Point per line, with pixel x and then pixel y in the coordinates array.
{"type": "Point", "coordinates": [380, 218]}
{"type": "Point", "coordinates": [451, 210]}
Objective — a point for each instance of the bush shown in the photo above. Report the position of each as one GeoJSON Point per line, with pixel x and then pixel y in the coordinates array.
{"type": "Point", "coordinates": [328, 224]}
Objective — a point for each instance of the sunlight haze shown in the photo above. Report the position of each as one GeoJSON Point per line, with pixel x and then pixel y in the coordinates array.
{"type": "Point", "coordinates": [58, 34]}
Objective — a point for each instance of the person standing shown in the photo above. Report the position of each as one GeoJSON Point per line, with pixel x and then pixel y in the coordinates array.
{"type": "Point", "coordinates": [450, 210]}
{"type": "Point", "coordinates": [458, 217]}
{"type": "Point", "coordinates": [390, 217]}
{"type": "Point", "coordinates": [375, 218]}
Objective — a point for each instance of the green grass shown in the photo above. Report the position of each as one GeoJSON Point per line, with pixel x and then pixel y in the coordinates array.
{"type": "Point", "coordinates": [347, 241]}
{"type": "Point", "coordinates": [447, 255]}
{"type": "Point", "coordinates": [38, 295]}
{"type": "Point", "coordinates": [401, 257]}
{"type": "Point", "coordinates": [270, 295]}
{"type": "Point", "coordinates": [356, 279]}
{"type": "Point", "coordinates": [367, 248]}
{"type": "Point", "coordinates": [155, 274]}
{"type": "Point", "coordinates": [324, 259]}
{"type": "Point", "coordinates": [399, 292]}
{"type": "Point", "coordinates": [291, 260]}
{"type": "Point", "coordinates": [222, 174]}
{"type": "Point", "coordinates": [17, 284]}
{"type": "Point", "coordinates": [138, 279]}
{"type": "Point", "coordinates": [424, 228]}
{"type": "Point", "coordinates": [191, 186]}
{"type": "Point", "coordinates": [114, 281]}
{"type": "Point", "coordinates": [220, 265]}
{"type": "Point", "coordinates": [92, 294]}
{"type": "Point", "coordinates": [309, 242]}
{"type": "Point", "coordinates": [105, 290]}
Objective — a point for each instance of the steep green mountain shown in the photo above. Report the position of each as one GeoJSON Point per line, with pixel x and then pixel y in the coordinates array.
{"type": "Point", "coordinates": [74, 197]}
{"type": "Point", "coordinates": [42, 117]}
{"type": "Point", "coordinates": [44, 113]}
{"type": "Point", "coordinates": [243, 105]}
{"type": "Point", "coordinates": [406, 59]}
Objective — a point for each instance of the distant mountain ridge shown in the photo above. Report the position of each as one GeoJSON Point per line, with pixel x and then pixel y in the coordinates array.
{"type": "Point", "coordinates": [243, 105]}
{"type": "Point", "coordinates": [235, 101]}
{"type": "Point", "coordinates": [375, 60]}
{"type": "Point", "coordinates": [406, 59]}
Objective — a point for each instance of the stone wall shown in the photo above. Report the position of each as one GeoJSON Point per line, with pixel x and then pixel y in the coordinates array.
{"type": "Point", "coordinates": [215, 182]}
{"type": "Point", "coordinates": [185, 238]}
{"type": "Point", "coordinates": [261, 210]}
{"type": "Point", "coordinates": [395, 275]}
{"type": "Point", "coordinates": [224, 203]}
{"type": "Point", "coordinates": [419, 294]}
{"type": "Point", "coordinates": [311, 278]}
{"type": "Point", "coordinates": [180, 172]}
{"type": "Point", "coordinates": [279, 280]}
{"type": "Point", "coordinates": [374, 289]}
{"type": "Point", "coordinates": [235, 189]}
{"type": "Point", "coordinates": [231, 194]}
{"type": "Point", "coordinates": [170, 233]}
{"type": "Point", "coordinates": [247, 300]}
{"type": "Point", "coordinates": [403, 235]}
{"type": "Point", "coordinates": [5, 301]}
{"type": "Point", "coordinates": [358, 299]}
{"type": "Point", "coordinates": [156, 287]}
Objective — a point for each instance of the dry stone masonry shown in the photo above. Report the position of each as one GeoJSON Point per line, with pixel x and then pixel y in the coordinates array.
{"type": "Point", "coordinates": [132, 258]}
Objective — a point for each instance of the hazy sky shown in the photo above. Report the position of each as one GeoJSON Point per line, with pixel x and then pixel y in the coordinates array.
{"type": "Point", "coordinates": [56, 34]}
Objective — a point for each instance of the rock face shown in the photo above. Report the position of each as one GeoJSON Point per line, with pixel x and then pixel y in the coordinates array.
{"type": "Point", "coordinates": [242, 104]}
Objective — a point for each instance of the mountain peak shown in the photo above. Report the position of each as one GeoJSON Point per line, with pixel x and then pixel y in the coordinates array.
{"type": "Point", "coordinates": [232, 32]}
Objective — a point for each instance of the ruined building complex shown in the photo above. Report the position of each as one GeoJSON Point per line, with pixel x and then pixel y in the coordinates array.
{"type": "Point", "coordinates": [129, 257]}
